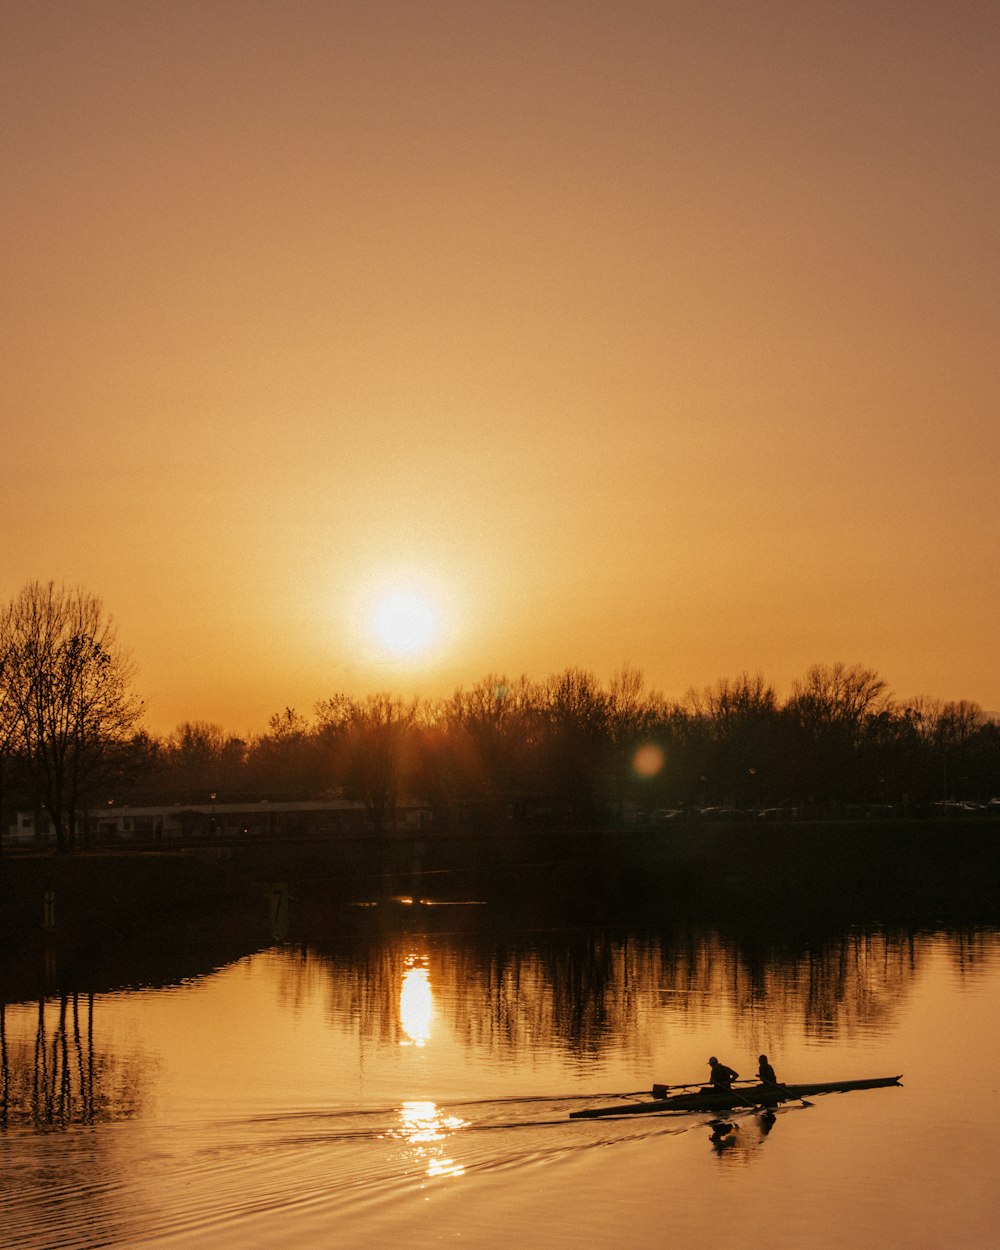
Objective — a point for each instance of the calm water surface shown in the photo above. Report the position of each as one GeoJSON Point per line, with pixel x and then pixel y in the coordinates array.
{"type": "Point", "coordinates": [413, 1089]}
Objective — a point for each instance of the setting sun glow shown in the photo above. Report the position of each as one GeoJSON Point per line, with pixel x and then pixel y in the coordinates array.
{"type": "Point", "coordinates": [456, 358]}
{"type": "Point", "coordinates": [405, 623]}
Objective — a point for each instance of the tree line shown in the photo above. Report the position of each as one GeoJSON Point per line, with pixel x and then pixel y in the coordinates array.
{"type": "Point", "coordinates": [569, 748]}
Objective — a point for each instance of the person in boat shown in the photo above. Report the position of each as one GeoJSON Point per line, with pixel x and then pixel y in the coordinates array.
{"type": "Point", "coordinates": [765, 1073]}
{"type": "Point", "coordinates": [721, 1076]}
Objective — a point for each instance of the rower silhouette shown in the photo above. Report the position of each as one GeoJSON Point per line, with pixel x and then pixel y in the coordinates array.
{"type": "Point", "coordinates": [720, 1075]}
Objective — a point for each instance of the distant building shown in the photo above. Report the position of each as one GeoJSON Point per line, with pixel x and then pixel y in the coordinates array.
{"type": "Point", "coordinates": [183, 821]}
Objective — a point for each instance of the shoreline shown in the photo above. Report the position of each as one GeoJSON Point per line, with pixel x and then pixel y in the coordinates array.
{"type": "Point", "coordinates": [717, 871]}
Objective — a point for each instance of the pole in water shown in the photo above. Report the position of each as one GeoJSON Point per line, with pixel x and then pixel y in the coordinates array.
{"type": "Point", "coordinates": [279, 911]}
{"type": "Point", "coordinates": [49, 909]}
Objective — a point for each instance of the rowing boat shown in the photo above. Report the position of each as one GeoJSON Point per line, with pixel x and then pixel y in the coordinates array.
{"type": "Point", "coordinates": [709, 1099]}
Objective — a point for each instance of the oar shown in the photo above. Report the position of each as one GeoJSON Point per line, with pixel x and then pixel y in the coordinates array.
{"type": "Point", "coordinates": [736, 1094]}
{"type": "Point", "coordinates": [798, 1098]}
{"type": "Point", "coordinates": [694, 1085]}
{"type": "Point", "coordinates": [759, 1104]}
{"type": "Point", "coordinates": [661, 1091]}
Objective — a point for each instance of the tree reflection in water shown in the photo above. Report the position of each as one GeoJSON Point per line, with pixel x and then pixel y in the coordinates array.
{"type": "Point", "coordinates": [58, 1077]}
{"type": "Point", "coordinates": [586, 989]}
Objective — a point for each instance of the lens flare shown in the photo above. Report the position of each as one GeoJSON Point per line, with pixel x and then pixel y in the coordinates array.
{"type": "Point", "coordinates": [648, 760]}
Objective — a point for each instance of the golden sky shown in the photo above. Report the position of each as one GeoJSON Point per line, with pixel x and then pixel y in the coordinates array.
{"type": "Point", "coordinates": [647, 332]}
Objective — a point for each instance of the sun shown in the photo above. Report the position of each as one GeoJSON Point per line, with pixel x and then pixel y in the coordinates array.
{"type": "Point", "coordinates": [404, 623]}
{"type": "Point", "coordinates": [402, 619]}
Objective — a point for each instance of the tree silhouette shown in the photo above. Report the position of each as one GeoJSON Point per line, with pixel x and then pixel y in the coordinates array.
{"type": "Point", "coordinates": [373, 740]}
{"type": "Point", "coordinates": [66, 682]}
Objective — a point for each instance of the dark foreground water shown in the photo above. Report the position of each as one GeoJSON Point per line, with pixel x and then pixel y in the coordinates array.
{"type": "Point", "coordinates": [413, 1089]}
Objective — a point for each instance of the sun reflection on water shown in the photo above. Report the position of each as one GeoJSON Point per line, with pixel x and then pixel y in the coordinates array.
{"type": "Point", "coordinates": [416, 1002]}
{"type": "Point", "coordinates": [421, 1123]}
{"type": "Point", "coordinates": [424, 1126]}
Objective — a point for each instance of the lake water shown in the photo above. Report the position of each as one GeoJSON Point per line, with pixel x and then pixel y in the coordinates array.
{"type": "Point", "coordinates": [413, 1087]}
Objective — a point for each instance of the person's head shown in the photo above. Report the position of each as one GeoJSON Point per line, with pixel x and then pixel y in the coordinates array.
{"type": "Point", "coordinates": [712, 1061]}
{"type": "Point", "coordinates": [762, 1058]}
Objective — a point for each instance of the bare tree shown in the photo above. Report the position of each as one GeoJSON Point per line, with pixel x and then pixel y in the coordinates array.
{"type": "Point", "coordinates": [738, 722]}
{"type": "Point", "coordinates": [952, 732]}
{"type": "Point", "coordinates": [8, 728]}
{"type": "Point", "coordinates": [491, 735]}
{"type": "Point", "coordinates": [832, 712]}
{"type": "Point", "coordinates": [66, 680]}
{"type": "Point", "coordinates": [573, 713]}
{"type": "Point", "coordinates": [631, 724]}
{"type": "Point", "coordinates": [193, 760]}
{"type": "Point", "coordinates": [837, 696]}
{"type": "Point", "coordinates": [287, 760]}
{"type": "Point", "coordinates": [371, 740]}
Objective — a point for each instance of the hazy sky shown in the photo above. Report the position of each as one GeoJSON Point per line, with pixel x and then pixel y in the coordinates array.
{"type": "Point", "coordinates": [660, 333]}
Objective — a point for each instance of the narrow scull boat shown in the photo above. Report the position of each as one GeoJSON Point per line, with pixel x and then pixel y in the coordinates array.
{"type": "Point", "coordinates": [711, 1099]}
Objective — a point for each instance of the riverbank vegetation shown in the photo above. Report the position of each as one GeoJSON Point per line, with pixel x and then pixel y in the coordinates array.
{"type": "Point", "coordinates": [577, 750]}
{"type": "Point", "coordinates": [566, 751]}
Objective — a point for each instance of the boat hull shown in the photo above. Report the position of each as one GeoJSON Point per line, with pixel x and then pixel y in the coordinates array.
{"type": "Point", "coordinates": [730, 1100]}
